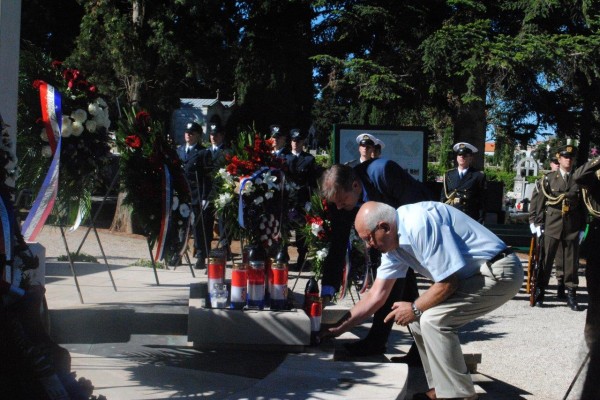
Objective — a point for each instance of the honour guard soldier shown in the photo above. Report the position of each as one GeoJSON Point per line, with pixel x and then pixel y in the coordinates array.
{"type": "Point", "coordinates": [280, 148]}
{"type": "Point", "coordinates": [197, 167]}
{"type": "Point", "coordinates": [220, 154]}
{"type": "Point", "coordinates": [464, 186]}
{"type": "Point", "coordinates": [564, 223]}
{"type": "Point", "coordinates": [366, 142]}
{"type": "Point", "coordinates": [302, 170]}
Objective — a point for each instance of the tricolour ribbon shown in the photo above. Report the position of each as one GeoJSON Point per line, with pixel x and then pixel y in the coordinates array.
{"type": "Point", "coordinates": [166, 215]}
{"type": "Point", "coordinates": [50, 102]}
{"type": "Point", "coordinates": [44, 201]}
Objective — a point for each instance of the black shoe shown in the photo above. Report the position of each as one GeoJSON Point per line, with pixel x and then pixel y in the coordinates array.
{"type": "Point", "coordinates": [364, 348]}
{"type": "Point", "coordinates": [174, 261]}
{"type": "Point", "coordinates": [572, 300]}
{"type": "Point", "coordinates": [412, 358]}
{"type": "Point", "coordinates": [199, 262]}
{"type": "Point", "coordinates": [560, 291]}
{"type": "Point", "coordinates": [539, 298]}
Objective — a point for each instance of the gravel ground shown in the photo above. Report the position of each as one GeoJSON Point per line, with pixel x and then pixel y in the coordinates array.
{"type": "Point", "coordinates": [527, 353]}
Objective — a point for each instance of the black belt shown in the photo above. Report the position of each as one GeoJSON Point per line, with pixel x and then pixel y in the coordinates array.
{"type": "Point", "coordinates": [507, 251]}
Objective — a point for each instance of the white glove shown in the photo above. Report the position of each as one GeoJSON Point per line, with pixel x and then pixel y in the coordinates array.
{"type": "Point", "coordinates": [538, 231]}
{"type": "Point", "coordinates": [581, 235]}
{"type": "Point", "coordinates": [204, 204]}
{"type": "Point", "coordinates": [533, 229]}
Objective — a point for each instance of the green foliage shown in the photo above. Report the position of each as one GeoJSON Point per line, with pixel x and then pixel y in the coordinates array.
{"type": "Point", "coordinates": [508, 178]}
{"type": "Point", "coordinates": [143, 262]}
{"type": "Point", "coordinates": [434, 171]}
{"type": "Point", "coordinates": [81, 257]}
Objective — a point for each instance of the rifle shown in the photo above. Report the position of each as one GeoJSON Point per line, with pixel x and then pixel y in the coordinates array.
{"type": "Point", "coordinates": [535, 267]}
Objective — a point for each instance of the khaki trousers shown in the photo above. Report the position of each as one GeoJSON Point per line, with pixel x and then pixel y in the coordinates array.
{"type": "Point", "coordinates": [436, 333]}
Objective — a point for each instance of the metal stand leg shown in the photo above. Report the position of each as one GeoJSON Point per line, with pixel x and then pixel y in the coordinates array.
{"type": "Point", "coordinates": [152, 260]}
{"type": "Point", "coordinates": [71, 263]}
{"type": "Point", "coordinates": [299, 273]}
{"type": "Point", "coordinates": [189, 262]}
{"type": "Point", "coordinates": [93, 226]}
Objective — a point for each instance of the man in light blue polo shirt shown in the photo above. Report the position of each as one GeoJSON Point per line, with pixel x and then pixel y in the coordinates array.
{"type": "Point", "coordinates": [472, 270]}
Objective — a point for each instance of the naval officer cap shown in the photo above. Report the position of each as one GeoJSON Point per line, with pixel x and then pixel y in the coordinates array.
{"type": "Point", "coordinates": [193, 127]}
{"type": "Point", "coordinates": [276, 131]}
{"type": "Point", "coordinates": [464, 148]}
{"type": "Point", "coordinates": [296, 134]}
{"type": "Point", "coordinates": [214, 128]}
{"type": "Point", "coordinates": [568, 151]}
{"type": "Point", "coordinates": [366, 139]}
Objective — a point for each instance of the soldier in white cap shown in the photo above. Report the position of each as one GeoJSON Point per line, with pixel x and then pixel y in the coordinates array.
{"type": "Point", "coordinates": [365, 142]}
{"type": "Point", "coordinates": [464, 186]}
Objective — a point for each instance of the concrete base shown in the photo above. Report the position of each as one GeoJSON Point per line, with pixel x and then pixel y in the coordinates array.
{"type": "Point", "coordinates": [261, 329]}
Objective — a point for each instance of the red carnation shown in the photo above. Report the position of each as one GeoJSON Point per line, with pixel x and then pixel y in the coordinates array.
{"type": "Point", "coordinates": [37, 83]}
{"type": "Point", "coordinates": [133, 141]}
{"type": "Point", "coordinates": [56, 64]}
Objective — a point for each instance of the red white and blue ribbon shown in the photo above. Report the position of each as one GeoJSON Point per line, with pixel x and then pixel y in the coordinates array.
{"type": "Point", "coordinates": [44, 201]}
{"type": "Point", "coordinates": [243, 183]}
{"type": "Point", "coordinates": [166, 215]}
{"type": "Point", "coordinates": [50, 101]}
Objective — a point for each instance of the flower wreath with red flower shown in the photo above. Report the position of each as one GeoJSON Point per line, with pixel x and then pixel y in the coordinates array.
{"type": "Point", "coordinates": [317, 232]}
{"type": "Point", "coordinates": [86, 142]}
{"type": "Point", "coordinates": [144, 154]}
{"type": "Point", "coordinates": [252, 194]}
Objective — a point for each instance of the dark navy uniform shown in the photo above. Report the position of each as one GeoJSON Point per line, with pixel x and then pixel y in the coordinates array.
{"type": "Point", "coordinates": [197, 167]}
{"type": "Point", "coordinates": [302, 170]}
{"type": "Point", "coordinates": [464, 187]}
{"type": "Point", "coordinates": [466, 193]}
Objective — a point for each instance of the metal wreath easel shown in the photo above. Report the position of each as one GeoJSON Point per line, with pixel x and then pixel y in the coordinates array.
{"type": "Point", "coordinates": [92, 226]}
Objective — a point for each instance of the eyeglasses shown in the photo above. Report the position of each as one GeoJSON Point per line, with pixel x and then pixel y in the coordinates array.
{"type": "Point", "coordinates": [369, 239]}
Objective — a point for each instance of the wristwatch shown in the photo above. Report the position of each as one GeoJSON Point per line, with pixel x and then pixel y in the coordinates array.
{"type": "Point", "coordinates": [416, 311]}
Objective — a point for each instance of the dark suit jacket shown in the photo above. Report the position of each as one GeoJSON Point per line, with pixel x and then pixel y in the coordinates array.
{"type": "Point", "coordinates": [302, 170]}
{"type": "Point", "coordinates": [219, 157]}
{"type": "Point", "coordinates": [561, 225]}
{"type": "Point", "coordinates": [470, 192]}
{"type": "Point", "coordinates": [383, 180]}
{"type": "Point", "coordinates": [197, 167]}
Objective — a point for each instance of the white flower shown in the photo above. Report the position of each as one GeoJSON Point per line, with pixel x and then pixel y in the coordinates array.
{"type": "Point", "coordinates": [321, 254]}
{"type": "Point", "coordinates": [79, 115]}
{"type": "Point", "coordinates": [44, 135]}
{"type": "Point", "coordinates": [175, 203]}
{"type": "Point", "coordinates": [94, 109]}
{"type": "Point", "coordinates": [258, 200]}
{"type": "Point", "coordinates": [248, 187]}
{"type": "Point", "coordinates": [46, 151]}
{"type": "Point", "coordinates": [269, 195]}
{"type": "Point", "coordinates": [76, 128]}
{"type": "Point", "coordinates": [263, 237]}
{"type": "Point", "coordinates": [224, 199]}
{"type": "Point", "coordinates": [66, 127]}
{"type": "Point", "coordinates": [262, 226]}
{"type": "Point", "coordinates": [100, 101]}
{"type": "Point", "coordinates": [91, 125]}
{"type": "Point", "coordinates": [184, 210]}
{"type": "Point", "coordinates": [258, 181]}
{"type": "Point", "coordinates": [268, 231]}
{"type": "Point", "coordinates": [307, 206]}
{"type": "Point", "coordinates": [315, 229]}
{"type": "Point", "coordinates": [270, 180]}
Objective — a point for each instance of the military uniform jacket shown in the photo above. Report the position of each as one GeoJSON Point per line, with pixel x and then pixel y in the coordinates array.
{"type": "Point", "coordinates": [302, 170]}
{"type": "Point", "coordinates": [585, 176]}
{"type": "Point", "coordinates": [565, 219]}
{"type": "Point", "coordinates": [536, 205]}
{"type": "Point", "coordinates": [219, 157]}
{"type": "Point", "coordinates": [466, 194]}
{"type": "Point", "coordinates": [282, 153]}
{"type": "Point", "coordinates": [197, 163]}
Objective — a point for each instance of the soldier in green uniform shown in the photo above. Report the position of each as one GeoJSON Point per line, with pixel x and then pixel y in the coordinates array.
{"type": "Point", "coordinates": [564, 222]}
{"type": "Point", "coordinates": [464, 186]}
